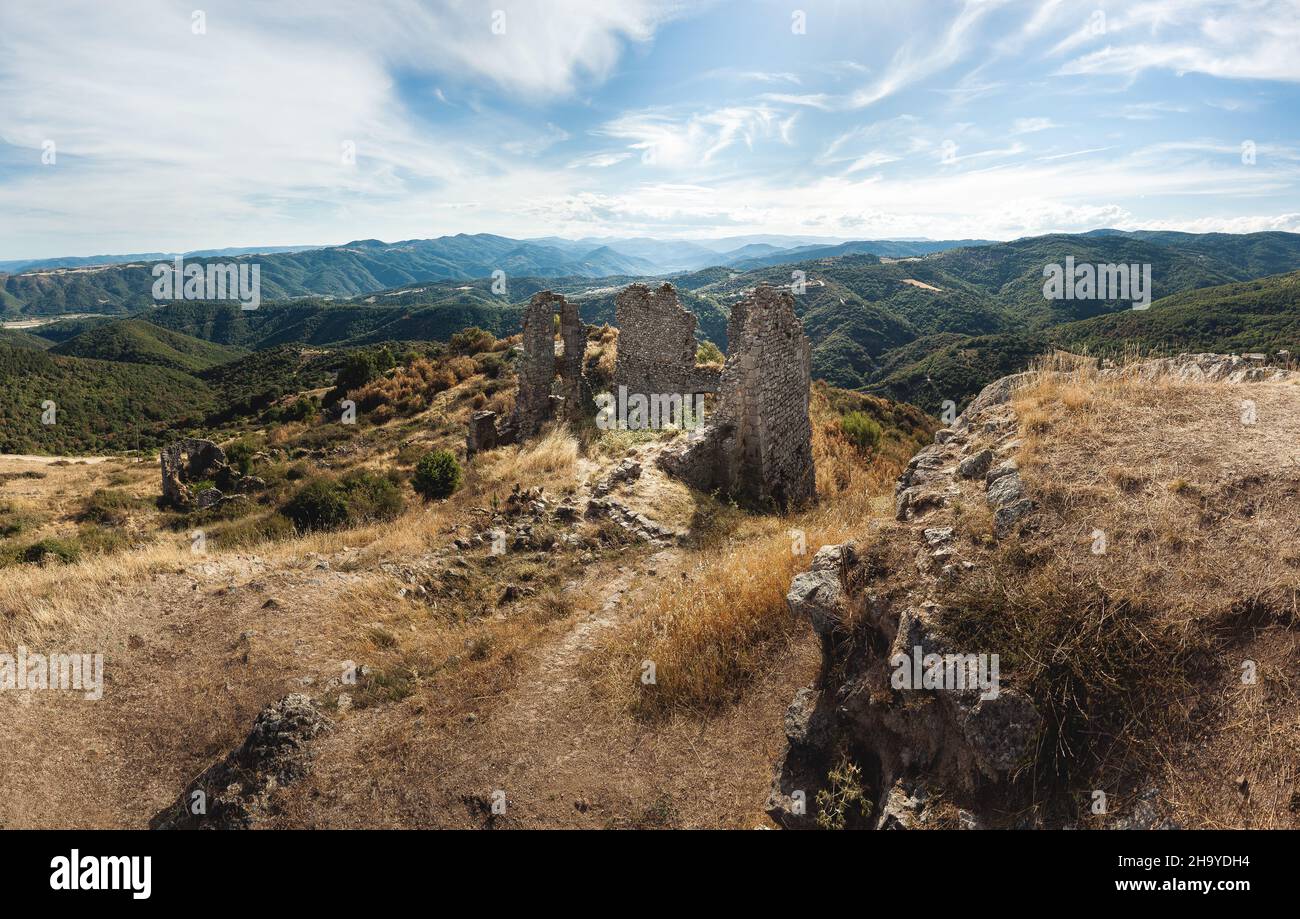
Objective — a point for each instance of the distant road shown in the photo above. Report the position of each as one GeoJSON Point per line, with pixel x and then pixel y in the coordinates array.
{"type": "Point", "coordinates": [46, 460]}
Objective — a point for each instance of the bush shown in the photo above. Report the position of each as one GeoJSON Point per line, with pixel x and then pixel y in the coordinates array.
{"type": "Point", "coordinates": [240, 455]}
{"type": "Point", "coordinates": [358, 497]}
{"type": "Point", "coordinates": [471, 341]}
{"type": "Point", "coordinates": [108, 507]}
{"type": "Point", "coordinates": [709, 353]}
{"type": "Point", "coordinates": [318, 505]}
{"type": "Point", "coordinates": [862, 430]}
{"type": "Point", "coordinates": [491, 365]}
{"type": "Point", "coordinates": [370, 497]}
{"type": "Point", "coordinates": [64, 550]}
{"type": "Point", "coordinates": [437, 475]}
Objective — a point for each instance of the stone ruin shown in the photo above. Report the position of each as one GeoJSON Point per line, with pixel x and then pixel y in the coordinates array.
{"type": "Point", "coordinates": [757, 445]}
{"type": "Point", "coordinates": [188, 461]}
{"type": "Point", "coordinates": [534, 403]}
{"type": "Point", "coordinates": [656, 344]}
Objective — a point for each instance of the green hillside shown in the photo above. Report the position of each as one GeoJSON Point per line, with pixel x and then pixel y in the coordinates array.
{"type": "Point", "coordinates": [1261, 315]}
{"type": "Point", "coordinates": [19, 338]}
{"type": "Point", "coordinates": [100, 406]}
{"type": "Point", "coordinates": [1252, 316]}
{"type": "Point", "coordinates": [138, 342]}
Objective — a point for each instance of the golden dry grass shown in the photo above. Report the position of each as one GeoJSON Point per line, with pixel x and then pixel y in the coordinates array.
{"type": "Point", "coordinates": [550, 458]}
{"type": "Point", "coordinates": [1164, 555]}
{"type": "Point", "coordinates": [711, 634]}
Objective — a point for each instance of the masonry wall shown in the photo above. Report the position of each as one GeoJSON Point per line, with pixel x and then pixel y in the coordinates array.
{"type": "Point", "coordinates": [758, 444]}
{"type": "Point", "coordinates": [656, 344]}
{"type": "Point", "coordinates": [536, 366]}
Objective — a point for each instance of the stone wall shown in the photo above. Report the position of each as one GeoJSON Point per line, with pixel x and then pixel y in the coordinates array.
{"type": "Point", "coordinates": [656, 344]}
{"type": "Point", "coordinates": [534, 402]}
{"type": "Point", "coordinates": [537, 365]}
{"type": "Point", "coordinates": [758, 444]}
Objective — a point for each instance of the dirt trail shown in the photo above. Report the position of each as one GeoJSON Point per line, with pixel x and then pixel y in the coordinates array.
{"type": "Point", "coordinates": [193, 654]}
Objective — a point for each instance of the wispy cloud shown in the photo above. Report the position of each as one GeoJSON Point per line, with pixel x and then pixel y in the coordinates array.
{"type": "Point", "coordinates": [297, 123]}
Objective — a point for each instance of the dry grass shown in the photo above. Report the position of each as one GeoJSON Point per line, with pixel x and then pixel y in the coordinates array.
{"type": "Point", "coordinates": [1132, 644]}
{"type": "Point", "coordinates": [549, 459]}
{"type": "Point", "coordinates": [709, 635]}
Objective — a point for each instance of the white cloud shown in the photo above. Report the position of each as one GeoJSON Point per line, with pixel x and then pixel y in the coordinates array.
{"type": "Point", "coordinates": [1257, 40]}
{"type": "Point", "coordinates": [1031, 125]}
{"type": "Point", "coordinates": [672, 141]}
{"type": "Point", "coordinates": [926, 56]}
{"type": "Point", "coordinates": [194, 140]}
{"type": "Point", "coordinates": [600, 160]}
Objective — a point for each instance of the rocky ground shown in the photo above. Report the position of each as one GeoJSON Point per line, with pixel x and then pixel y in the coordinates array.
{"type": "Point", "coordinates": [1160, 491]}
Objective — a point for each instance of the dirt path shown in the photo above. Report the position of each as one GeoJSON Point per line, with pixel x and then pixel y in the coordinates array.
{"type": "Point", "coordinates": [193, 654]}
{"type": "Point", "coordinates": [559, 754]}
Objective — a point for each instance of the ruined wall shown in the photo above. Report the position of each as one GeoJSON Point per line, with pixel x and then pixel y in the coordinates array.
{"type": "Point", "coordinates": [537, 365]}
{"type": "Point", "coordinates": [573, 336]}
{"type": "Point", "coordinates": [758, 444]}
{"type": "Point", "coordinates": [534, 403]}
{"type": "Point", "coordinates": [656, 344]}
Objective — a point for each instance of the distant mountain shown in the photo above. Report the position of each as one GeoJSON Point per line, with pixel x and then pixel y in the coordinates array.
{"type": "Point", "coordinates": [17, 265]}
{"type": "Point", "coordinates": [885, 248]}
{"type": "Point", "coordinates": [338, 271]}
{"type": "Point", "coordinates": [925, 329]}
{"type": "Point", "coordinates": [138, 342]}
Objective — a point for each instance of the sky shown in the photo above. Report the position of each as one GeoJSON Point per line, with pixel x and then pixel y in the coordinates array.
{"type": "Point", "coordinates": [148, 125]}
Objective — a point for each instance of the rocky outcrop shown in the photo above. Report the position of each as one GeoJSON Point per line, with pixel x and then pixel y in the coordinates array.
{"type": "Point", "coordinates": [932, 752]}
{"type": "Point", "coordinates": [186, 462]}
{"type": "Point", "coordinates": [234, 793]}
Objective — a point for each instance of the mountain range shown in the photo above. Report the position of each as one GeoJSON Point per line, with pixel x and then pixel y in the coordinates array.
{"type": "Point", "coordinates": [925, 329]}
{"type": "Point", "coordinates": [122, 284]}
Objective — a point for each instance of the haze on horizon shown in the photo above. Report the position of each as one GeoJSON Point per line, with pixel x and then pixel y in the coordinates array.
{"type": "Point", "coordinates": [125, 128]}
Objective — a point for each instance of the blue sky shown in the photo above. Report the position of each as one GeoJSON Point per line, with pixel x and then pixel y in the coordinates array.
{"type": "Point", "coordinates": [984, 118]}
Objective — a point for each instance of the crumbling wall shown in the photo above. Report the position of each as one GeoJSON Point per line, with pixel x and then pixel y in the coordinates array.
{"type": "Point", "coordinates": [534, 402]}
{"type": "Point", "coordinates": [656, 344]}
{"type": "Point", "coordinates": [537, 365]}
{"type": "Point", "coordinates": [189, 460]}
{"type": "Point", "coordinates": [573, 337]}
{"type": "Point", "coordinates": [758, 444]}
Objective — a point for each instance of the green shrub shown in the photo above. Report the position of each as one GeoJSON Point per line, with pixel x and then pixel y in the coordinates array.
{"type": "Point", "coordinates": [14, 522]}
{"type": "Point", "coordinates": [370, 496]}
{"type": "Point", "coordinates": [65, 550]}
{"type": "Point", "coordinates": [437, 475]}
{"type": "Point", "coordinates": [862, 430]}
{"type": "Point", "coordinates": [318, 505]}
{"type": "Point", "coordinates": [358, 497]}
{"type": "Point", "coordinates": [709, 353]}
{"type": "Point", "coordinates": [240, 455]}
{"type": "Point", "coordinates": [471, 341]}
{"type": "Point", "coordinates": [491, 365]}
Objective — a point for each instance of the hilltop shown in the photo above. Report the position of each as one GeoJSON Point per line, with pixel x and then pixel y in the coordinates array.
{"type": "Point", "coordinates": [444, 670]}
{"type": "Point", "coordinates": [1122, 539]}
